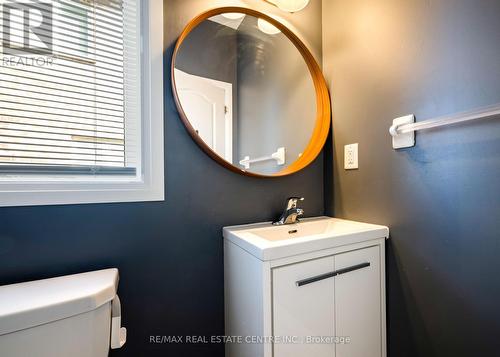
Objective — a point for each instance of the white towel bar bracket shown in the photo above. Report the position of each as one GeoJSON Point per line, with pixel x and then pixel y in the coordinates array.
{"type": "Point", "coordinates": [400, 140]}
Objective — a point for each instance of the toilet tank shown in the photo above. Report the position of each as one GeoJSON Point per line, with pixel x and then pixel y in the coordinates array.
{"type": "Point", "coordinates": [70, 316]}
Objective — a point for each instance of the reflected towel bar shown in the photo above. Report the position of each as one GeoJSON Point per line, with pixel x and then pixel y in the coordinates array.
{"type": "Point", "coordinates": [279, 156]}
{"type": "Point", "coordinates": [403, 128]}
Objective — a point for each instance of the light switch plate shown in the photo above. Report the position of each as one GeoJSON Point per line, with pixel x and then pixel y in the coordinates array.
{"type": "Point", "coordinates": [351, 156]}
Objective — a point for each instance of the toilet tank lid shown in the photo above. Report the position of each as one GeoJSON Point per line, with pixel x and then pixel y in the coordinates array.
{"type": "Point", "coordinates": [34, 303]}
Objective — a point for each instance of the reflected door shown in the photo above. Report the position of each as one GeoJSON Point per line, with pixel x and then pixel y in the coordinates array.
{"type": "Point", "coordinates": [208, 105]}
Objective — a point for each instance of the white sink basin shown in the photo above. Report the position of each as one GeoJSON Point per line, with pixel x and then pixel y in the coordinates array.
{"type": "Point", "coordinates": [268, 242]}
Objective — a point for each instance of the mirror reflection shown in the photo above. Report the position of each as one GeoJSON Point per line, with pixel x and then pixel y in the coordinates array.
{"type": "Point", "coordinates": [246, 91]}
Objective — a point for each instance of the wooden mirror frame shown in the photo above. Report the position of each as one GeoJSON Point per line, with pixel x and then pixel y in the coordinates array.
{"type": "Point", "coordinates": [323, 110]}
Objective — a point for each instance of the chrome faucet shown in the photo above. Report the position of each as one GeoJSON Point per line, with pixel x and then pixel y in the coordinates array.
{"type": "Point", "coordinates": [291, 213]}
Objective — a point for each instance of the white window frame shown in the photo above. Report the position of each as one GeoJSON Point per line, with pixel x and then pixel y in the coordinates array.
{"type": "Point", "coordinates": [149, 184]}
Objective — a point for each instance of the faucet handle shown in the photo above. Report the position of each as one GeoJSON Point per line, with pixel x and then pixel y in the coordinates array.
{"type": "Point", "coordinates": [292, 202]}
{"type": "Point", "coordinates": [291, 212]}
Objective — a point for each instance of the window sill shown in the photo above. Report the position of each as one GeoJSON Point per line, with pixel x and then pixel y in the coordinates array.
{"type": "Point", "coordinates": [62, 193]}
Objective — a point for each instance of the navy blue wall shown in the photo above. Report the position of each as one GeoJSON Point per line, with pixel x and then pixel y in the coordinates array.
{"type": "Point", "coordinates": [441, 199]}
{"type": "Point", "coordinates": [169, 253]}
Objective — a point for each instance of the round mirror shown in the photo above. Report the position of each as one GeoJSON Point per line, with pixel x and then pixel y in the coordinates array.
{"type": "Point", "coordinates": [250, 93]}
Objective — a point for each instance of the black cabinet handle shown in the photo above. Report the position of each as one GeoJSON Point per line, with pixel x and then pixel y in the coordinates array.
{"type": "Point", "coordinates": [316, 278]}
{"type": "Point", "coordinates": [331, 274]}
{"type": "Point", "coordinates": [353, 268]}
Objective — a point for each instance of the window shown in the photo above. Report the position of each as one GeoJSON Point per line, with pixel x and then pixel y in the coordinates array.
{"type": "Point", "coordinates": [81, 114]}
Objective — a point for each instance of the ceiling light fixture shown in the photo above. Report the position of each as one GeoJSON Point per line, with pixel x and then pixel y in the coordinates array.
{"type": "Point", "coordinates": [267, 27]}
{"type": "Point", "coordinates": [289, 5]}
{"type": "Point", "coordinates": [233, 15]}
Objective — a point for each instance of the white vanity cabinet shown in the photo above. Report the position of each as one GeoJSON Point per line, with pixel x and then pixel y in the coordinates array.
{"type": "Point", "coordinates": [322, 303]}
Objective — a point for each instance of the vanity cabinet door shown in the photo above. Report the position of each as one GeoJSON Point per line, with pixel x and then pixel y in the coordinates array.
{"type": "Point", "coordinates": [358, 303]}
{"type": "Point", "coordinates": [305, 310]}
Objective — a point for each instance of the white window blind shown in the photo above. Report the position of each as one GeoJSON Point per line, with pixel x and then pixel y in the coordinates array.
{"type": "Point", "coordinates": [74, 107]}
